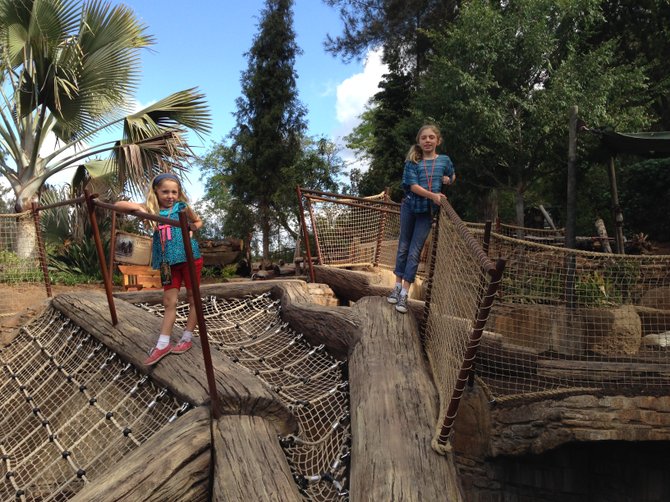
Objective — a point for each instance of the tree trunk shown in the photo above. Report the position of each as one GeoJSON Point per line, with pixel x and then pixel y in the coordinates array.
{"type": "Point", "coordinates": [265, 230]}
{"type": "Point", "coordinates": [519, 210]}
{"type": "Point", "coordinates": [26, 238]}
{"type": "Point", "coordinates": [491, 205]}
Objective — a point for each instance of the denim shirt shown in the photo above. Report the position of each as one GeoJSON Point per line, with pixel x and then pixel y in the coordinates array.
{"type": "Point", "coordinates": [420, 174]}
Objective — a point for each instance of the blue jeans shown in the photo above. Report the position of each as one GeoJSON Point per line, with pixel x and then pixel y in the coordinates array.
{"type": "Point", "coordinates": [414, 228]}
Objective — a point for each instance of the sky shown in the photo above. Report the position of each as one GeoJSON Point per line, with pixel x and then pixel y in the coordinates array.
{"type": "Point", "coordinates": [202, 43]}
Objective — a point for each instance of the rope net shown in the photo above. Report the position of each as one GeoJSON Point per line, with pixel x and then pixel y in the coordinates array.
{"type": "Point", "coordinates": [69, 408]}
{"type": "Point", "coordinates": [352, 231]}
{"type": "Point", "coordinates": [459, 279]}
{"type": "Point", "coordinates": [574, 321]}
{"type": "Point", "coordinates": [21, 275]}
{"type": "Point", "coordinates": [307, 379]}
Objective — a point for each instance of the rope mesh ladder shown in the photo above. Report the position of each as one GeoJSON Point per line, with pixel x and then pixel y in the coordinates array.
{"type": "Point", "coordinates": [70, 409]}
{"type": "Point", "coordinates": [307, 379]}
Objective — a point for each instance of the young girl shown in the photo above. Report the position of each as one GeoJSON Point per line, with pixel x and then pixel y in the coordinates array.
{"type": "Point", "coordinates": [166, 198]}
{"type": "Point", "coordinates": [425, 172]}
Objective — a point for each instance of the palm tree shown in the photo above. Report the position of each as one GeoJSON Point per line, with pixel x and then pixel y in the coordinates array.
{"type": "Point", "coordinates": [67, 71]}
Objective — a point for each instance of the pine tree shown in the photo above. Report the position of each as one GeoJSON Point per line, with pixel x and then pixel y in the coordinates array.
{"type": "Point", "coordinates": [269, 119]}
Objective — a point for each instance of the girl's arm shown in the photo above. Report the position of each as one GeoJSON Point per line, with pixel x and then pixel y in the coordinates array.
{"type": "Point", "coordinates": [419, 190]}
{"type": "Point", "coordinates": [194, 222]}
{"type": "Point", "coordinates": [130, 206]}
{"type": "Point", "coordinates": [449, 180]}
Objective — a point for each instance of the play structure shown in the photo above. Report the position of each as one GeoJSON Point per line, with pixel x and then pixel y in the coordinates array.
{"type": "Point", "coordinates": [282, 398]}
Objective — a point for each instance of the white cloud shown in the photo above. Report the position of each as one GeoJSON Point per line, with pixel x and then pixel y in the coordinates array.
{"type": "Point", "coordinates": [354, 92]}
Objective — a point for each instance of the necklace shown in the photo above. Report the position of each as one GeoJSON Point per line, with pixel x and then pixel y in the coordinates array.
{"type": "Point", "coordinates": [432, 171]}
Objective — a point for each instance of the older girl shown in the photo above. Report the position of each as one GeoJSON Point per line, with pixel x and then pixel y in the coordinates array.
{"type": "Point", "coordinates": [424, 173]}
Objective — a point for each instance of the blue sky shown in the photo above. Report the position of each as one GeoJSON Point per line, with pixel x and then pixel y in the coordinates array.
{"type": "Point", "coordinates": [203, 44]}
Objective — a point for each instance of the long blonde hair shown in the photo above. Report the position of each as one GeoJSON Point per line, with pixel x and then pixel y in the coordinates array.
{"type": "Point", "coordinates": [153, 207]}
{"type": "Point", "coordinates": [415, 154]}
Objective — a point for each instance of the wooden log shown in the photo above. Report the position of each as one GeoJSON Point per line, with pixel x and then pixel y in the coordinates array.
{"type": "Point", "coordinates": [334, 327]}
{"type": "Point", "coordinates": [171, 465]}
{"type": "Point", "coordinates": [331, 326]}
{"type": "Point", "coordinates": [394, 408]}
{"type": "Point", "coordinates": [249, 463]}
{"type": "Point", "coordinates": [184, 375]}
{"type": "Point", "coordinates": [599, 371]}
{"type": "Point", "coordinates": [349, 284]}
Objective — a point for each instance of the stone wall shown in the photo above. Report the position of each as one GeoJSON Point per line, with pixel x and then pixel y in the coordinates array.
{"type": "Point", "coordinates": [581, 448]}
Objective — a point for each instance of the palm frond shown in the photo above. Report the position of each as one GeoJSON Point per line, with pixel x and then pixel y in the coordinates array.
{"type": "Point", "coordinates": [138, 162]}
{"type": "Point", "coordinates": [186, 108]}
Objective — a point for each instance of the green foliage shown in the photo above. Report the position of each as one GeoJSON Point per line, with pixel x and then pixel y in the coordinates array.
{"type": "Point", "coordinates": [384, 135]}
{"type": "Point", "coordinates": [225, 272]}
{"type": "Point", "coordinates": [15, 270]}
{"type": "Point", "coordinates": [397, 26]}
{"type": "Point", "coordinates": [499, 80]}
{"type": "Point", "coordinates": [252, 177]}
{"type": "Point", "coordinates": [642, 186]}
{"type": "Point", "coordinates": [502, 80]}
{"type": "Point", "coordinates": [270, 119]}
{"type": "Point", "coordinates": [68, 69]}
{"type": "Point", "coordinates": [76, 258]}
{"type": "Point", "coordinates": [74, 278]}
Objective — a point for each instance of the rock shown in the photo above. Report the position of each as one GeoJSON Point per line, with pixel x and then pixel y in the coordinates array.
{"type": "Point", "coordinates": [612, 331]}
{"type": "Point", "coordinates": [658, 298]}
{"type": "Point", "coordinates": [657, 340]}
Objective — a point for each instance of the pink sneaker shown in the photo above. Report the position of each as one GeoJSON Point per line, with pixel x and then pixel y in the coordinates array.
{"type": "Point", "coordinates": [157, 354]}
{"type": "Point", "coordinates": [181, 347]}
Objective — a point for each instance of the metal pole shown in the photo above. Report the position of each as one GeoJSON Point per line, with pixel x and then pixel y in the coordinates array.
{"type": "Point", "coordinates": [202, 326]}
{"type": "Point", "coordinates": [101, 256]}
{"type": "Point", "coordinates": [112, 244]}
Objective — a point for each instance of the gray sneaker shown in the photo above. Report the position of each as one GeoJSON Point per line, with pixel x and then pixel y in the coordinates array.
{"type": "Point", "coordinates": [401, 306]}
{"type": "Point", "coordinates": [394, 296]}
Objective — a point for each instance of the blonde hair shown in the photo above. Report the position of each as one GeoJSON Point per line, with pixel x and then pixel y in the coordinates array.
{"type": "Point", "coordinates": [153, 207]}
{"type": "Point", "coordinates": [415, 154]}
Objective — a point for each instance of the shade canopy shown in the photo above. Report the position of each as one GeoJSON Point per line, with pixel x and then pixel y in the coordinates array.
{"type": "Point", "coordinates": [644, 144]}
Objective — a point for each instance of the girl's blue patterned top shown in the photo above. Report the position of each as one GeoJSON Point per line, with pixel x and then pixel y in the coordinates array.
{"type": "Point", "coordinates": [174, 244]}
{"type": "Point", "coordinates": [418, 174]}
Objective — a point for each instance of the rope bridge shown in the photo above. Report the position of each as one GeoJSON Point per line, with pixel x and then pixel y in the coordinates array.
{"type": "Point", "coordinates": [461, 280]}
{"type": "Point", "coordinates": [563, 321]}
{"type": "Point", "coordinates": [349, 231]}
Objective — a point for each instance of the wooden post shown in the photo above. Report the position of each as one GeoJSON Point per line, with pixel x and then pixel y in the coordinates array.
{"type": "Point", "coordinates": [547, 217]}
{"type": "Point", "coordinates": [617, 214]}
{"type": "Point", "coordinates": [602, 235]}
{"type": "Point", "coordinates": [571, 212]}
